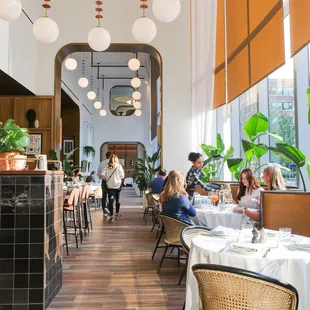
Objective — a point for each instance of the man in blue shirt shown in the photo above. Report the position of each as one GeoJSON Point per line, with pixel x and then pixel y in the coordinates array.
{"type": "Point", "coordinates": [157, 184]}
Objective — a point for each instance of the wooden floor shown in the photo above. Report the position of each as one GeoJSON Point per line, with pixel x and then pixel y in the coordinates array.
{"type": "Point", "coordinates": [113, 268]}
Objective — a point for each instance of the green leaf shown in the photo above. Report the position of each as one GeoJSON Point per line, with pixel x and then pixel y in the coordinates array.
{"type": "Point", "coordinates": [289, 154]}
{"type": "Point", "coordinates": [220, 146]}
{"type": "Point", "coordinates": [308, 167]}
{"type": "Point", "coordinates": [228, 153]}
{"type": "Point", "coordinates": [252, 149]}
{"type": "Point", "coordinates": [308, 96]}
{"type": "Point", "coordinates": [234, 166]}
{"type": "Point", "coordinates": [256, 125]}
{"type": "Point", "coordinates": [207, 149]}
{"type": "Point", "coordinates": [275, 136]}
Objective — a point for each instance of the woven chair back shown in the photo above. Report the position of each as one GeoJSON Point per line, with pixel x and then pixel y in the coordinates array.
{"type": "Point", "coordinates": [173, 228]}
{"type": "Point", "coordinates": [232, 289]}
{"type": "Point", "coordinates": [189, 233]}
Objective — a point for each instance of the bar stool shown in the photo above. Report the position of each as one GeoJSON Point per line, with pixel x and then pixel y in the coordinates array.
{"type": "Point", "coordinates": [86, 208]}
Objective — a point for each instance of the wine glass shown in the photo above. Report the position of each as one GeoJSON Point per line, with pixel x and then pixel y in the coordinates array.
{"type": "Point", "coordinates": [214, 198]}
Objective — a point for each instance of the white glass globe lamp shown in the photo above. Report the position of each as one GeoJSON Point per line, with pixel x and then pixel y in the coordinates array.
{"type": "Point", "coordinates": [45, 30]}
{"type": "Point", "coordinates": [99, 39]}
{"type": "Point", "coordinates": [135, 82]}
{"type": "Point", "coordinates": [10, 9]}
{"type": "Point", "coordinates": [166, 10]}
{"type": "Point", "coordinates": [70, 63]}
{"type": "Point", "coordinates": [103, 112]}
{"type": "Point", "coordinates": [134, 64]}
{"type": "Point", "coordinates": [97, 105]}
{"type": "Point", "coordinates": [91, 95]}
{"type": "Point", "coordinates": [144, 30]}
{"type": "Point", "coordinates": [138, 112]}
{"type": "Point", "coordinates": [137, 105]}
{"type": "Point", "coordinates": [136, 95]}
{"type": "Point", "coordinates": [83, 82]}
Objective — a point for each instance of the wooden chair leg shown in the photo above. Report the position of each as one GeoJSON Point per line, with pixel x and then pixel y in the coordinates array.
{"type": "Point", "coordinates": [157, 244]}
{"type": "Point", "coordinates": [75, 230]}
{"type": "Point", "coordinates": [89, 214]}
{"type": "Point", "coordinates": [184, 271]}
{"type": "Point", "coordinates": [65, 232]}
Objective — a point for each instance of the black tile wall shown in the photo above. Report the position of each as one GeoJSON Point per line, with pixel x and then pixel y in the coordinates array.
{"type": "Point", "coordinates": [30, 241]}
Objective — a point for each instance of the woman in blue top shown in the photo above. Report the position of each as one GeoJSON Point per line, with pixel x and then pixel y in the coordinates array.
{"type": "Point", "coordinates": [175, 198]}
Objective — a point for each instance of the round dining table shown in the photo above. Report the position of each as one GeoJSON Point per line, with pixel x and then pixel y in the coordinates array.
{"type": "Point", "coordinates": [279, 261]}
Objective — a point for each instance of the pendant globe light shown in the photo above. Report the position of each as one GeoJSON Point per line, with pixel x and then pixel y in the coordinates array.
{"type": "Point", "coordinates": [91, 95]}
{"type": "Point", "coordinates": [83, 81]}
{"type": "Point", "coordinates": [70, 63]}
{"type": "Point", "coordinates": [97, 103]}
{"type": "Point", "coordinates": [99, 39]}
{"type": "Point", "coordinates": [144, 29]}
{"type": "Point", "coordinates": [103, 112]}
{"type": "Point", "coordinates": [166, 10]}
{"type": "Point", "coordinates": [10, 9]}
{"type": "Point", "coordinates": [134, 63]}
{"type": "Point", "coordinates": [135, 82]}
{"type": "Point", "coordinates": [136, 95]}
{"type": "Point", "coordinates": [138, 112]}
{"type": "Point", "coordinates": [137, 105]}
{"type": "Point", "coordinates": [44, 28]}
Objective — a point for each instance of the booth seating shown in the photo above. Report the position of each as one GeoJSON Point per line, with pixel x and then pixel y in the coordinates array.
{"type": "Point", "coordinates": [286, 209]}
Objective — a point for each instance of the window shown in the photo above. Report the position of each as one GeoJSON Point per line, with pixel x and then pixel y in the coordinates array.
{"type": "Point", "coordinates": [121, 101]}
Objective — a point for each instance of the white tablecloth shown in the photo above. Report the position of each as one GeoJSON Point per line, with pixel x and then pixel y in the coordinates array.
{"type": "Point", "coordinates": [128, 181]}
{"type": "Point", "coordinates": [292, 267]}
{"type": "Point", "coordinates": [212, 217]}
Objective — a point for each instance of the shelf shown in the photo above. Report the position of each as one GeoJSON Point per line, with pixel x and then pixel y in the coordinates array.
{"type": "Point", "coordinates": [38, 129]}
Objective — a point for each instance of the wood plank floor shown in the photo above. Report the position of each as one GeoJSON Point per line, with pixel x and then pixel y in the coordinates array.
{"type": "Point", "coordinates": [113, 268]}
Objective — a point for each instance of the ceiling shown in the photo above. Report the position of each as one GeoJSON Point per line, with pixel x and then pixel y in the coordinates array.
{"type": "Point", "coordinates": [10, 87]}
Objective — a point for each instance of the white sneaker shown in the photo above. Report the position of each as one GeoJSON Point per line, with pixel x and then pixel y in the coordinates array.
{"type": "Point", "coordinates": [112, 219]}
{"type": "Point", "coordinates": [109, 218]}
{"type": "Point", "coordinates": [118, 216]}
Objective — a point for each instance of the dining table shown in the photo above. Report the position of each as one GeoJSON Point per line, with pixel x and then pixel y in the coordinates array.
{"type": "Point", "coordinates": [285, 261]}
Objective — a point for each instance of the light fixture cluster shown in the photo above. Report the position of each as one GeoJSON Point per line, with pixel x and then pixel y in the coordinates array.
{"type": "Point", "coordinates": [144, 29]}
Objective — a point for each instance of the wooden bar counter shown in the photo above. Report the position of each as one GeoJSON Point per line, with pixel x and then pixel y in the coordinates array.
{"type": "Point", "coordinates": [30, 238]}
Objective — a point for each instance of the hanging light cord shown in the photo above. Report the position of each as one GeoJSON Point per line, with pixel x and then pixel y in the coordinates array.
{"type": "Point", "coordinates": [46, 6]}
{"type": "Point", "coordinates": [99, 11]}
{"type": "Point", "coordinates": [143, 6]}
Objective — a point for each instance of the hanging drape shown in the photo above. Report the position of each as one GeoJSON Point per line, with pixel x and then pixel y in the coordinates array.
{"type": "Point", "coordinates": [300, 24]}
{"type": "Point", "coordinates": [255, 45]}
{"type": "Point", "coordinates": [203, 29]}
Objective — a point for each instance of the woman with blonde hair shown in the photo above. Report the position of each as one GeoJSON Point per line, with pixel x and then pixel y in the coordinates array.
{"type": "Point", "coordinates": [273, 178]}
{"type": "Point", "coordinates": [113, 174]}
{"type": "Point", "coordinates": [175, 198]}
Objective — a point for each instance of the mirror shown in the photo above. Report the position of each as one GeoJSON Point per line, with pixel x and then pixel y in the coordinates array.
{"type": "Point", "coordinates": [121, 100]}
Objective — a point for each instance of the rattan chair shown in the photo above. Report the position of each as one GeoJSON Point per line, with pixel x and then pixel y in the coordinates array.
{"type": "Point", "coordinates": [187, 234]}
{"type": "Point", "coordinates": [149, 210]}
{"type": "Point", "coordinates": [160, 231]}
{"type": "Point", "coordinates": [173, 228]}
{"type": "Point", "coordinates": [228, 288]}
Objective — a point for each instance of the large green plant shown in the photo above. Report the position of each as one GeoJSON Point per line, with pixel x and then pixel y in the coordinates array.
{"type": "Point", "coordinates": [146, 169]}
{"type": "Point", "coordinates": [89, 151]}
{"type": "Point", "coordinates": [13, 138]}
{"type": "Point", "coordinates": [217, 157]}
{"type": "Point", "coordinates": [67, 167]}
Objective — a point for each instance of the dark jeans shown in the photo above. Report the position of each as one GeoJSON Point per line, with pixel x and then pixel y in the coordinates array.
{"type": "Point", "coordinates": [114, 194]}
{"type": "Point", "coordinates": [104, 194]}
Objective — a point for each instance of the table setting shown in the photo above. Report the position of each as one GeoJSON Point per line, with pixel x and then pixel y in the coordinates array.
{"type": "Point", "coordinates": [282, 255]}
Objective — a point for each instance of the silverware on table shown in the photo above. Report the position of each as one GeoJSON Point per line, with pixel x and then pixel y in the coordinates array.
{"type": "Point", "coordinates": [266, 252]}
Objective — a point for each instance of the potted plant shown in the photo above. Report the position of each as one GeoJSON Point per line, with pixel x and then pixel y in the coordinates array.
{"type": "Point", "coordinates": [89, 152]}
{"type": "Point", "coordinates": [13, 141]}
{"type": "Point", "coordinates": [68, 167]}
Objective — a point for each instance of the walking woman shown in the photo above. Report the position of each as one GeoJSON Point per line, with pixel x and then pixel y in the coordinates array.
{"type": "Point", "coordinates": [194, 174]}
{"type": "Point", "coordinates": [113, 174]}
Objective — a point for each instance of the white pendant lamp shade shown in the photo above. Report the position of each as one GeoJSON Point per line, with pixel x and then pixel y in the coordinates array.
{"type": "Point", "coordinates": [136, 95]}
{"type": "Point", "coordinates": [91, 95]}
{"type": "Point", "coordinates": [83, 82]}
{"type": "Point", "coordinates": [135, 82]}
{"type": "Point", "coordinates": [70, 63]}
{"type": "Point", "coordinates": [10, 9]}
{"type": "Point", "coordinates": [97, 105]}
{"type": "Point", "coordinates": [134, 64]}
{"type": "Point", "coordinates": [137, 105]}
{"type": "Point", "coordinates": [138, 112]}
{"type": "Point", "coordinates": [144, 30]}
{"type": "Point", "coordinates": [45, 30]}
{"type": "Point", "coordinates": [99, 39]}
{"type": "Point", "coordinates": [166, 10]}
{"type": "Point", "coordinates": [103, 112]}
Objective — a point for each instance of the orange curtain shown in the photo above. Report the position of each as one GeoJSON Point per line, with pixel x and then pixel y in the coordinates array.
{"type": "Point", "coordinates": [255, 45]}
{"type": "Point", "coordinates": [300, 24]}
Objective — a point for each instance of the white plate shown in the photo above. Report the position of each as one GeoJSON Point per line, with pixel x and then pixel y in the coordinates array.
{"type": "Point", "coordinates": [243, 250]}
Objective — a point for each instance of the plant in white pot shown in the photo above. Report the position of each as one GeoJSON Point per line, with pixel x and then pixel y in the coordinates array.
{"type": "Point", "coordinates": [13, 141]}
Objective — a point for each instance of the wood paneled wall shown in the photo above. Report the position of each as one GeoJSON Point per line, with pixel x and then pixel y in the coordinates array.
{"type": "Point", "coordinates": [17, 107]}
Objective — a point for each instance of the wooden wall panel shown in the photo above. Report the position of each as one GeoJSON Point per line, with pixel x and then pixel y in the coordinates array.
{"type": "Point", "coordinates": [6, 108]}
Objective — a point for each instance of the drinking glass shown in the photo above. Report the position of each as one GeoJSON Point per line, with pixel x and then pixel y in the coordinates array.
{"type": "Point", "coordinates": [214, 198]}
{"type": "Point", "coordinates": [285, 234]}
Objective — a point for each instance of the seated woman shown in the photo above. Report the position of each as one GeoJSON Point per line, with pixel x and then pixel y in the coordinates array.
{"type": "Point", "coordinates": [175, 198]}
{"type": "Point", "coordinates": [249, 190]}
{"type": "Point", "coordinates": [273, 179]}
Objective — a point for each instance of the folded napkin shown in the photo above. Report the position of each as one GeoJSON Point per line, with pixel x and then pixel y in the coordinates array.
{"type": "Point", "coordinates": [221, 230]}
{"type": "Point", "coordinates": [248, 247]}
{"type": "Point", "coordinates": [302, 244]}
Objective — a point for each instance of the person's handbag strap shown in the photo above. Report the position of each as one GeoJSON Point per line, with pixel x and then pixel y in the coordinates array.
{"type": "Point", "coordinates": [111, 174]}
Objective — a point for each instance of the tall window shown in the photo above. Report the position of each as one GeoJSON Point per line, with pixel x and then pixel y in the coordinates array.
{"type": "Point", "coordinates": [282, 105]}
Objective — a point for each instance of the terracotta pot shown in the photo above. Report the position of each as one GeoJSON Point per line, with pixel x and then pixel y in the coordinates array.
{"type": "Point", "coordinates": [5, 164]}
{"type": "Point", "coordinates": [20, 163]}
